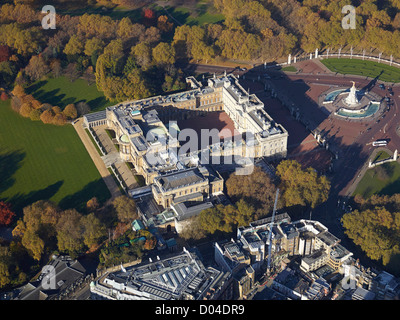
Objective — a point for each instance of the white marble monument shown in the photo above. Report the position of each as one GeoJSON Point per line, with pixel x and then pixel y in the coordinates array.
{"type": "Point", "coordinates": [352, 97]}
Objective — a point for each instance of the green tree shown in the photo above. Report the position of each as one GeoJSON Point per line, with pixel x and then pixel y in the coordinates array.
{"type": "Point", "coordinates": [375, 231]}
{"type": "Point", "coordinates": [74, 46]}
{"type": "Point", "coordinates": [143, 54]}
{"type": "Point", "coordinates": [164, 54]}
{"type": "Point", "coordinates": [93, 230]}
{"type": "Point", "coordinates": [94, 45]}
{"type": "Point", "coordinates": [69, 231]}
{"type": "Point", "coordinates": [4, 274]}
{"type": "Point", "coordinates": [301, 187]}
{"type": "Point", "coordinates": [257, 189]}
{"type": "Point", "coordinates": [125, 208]}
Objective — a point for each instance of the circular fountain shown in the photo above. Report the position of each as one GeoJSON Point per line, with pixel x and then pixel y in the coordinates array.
{"type": "Point", "coordinates": [352, 103]}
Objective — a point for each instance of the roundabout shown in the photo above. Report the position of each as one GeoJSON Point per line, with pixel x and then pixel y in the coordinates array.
{"type": "Point", "coordinates": [351, 103]}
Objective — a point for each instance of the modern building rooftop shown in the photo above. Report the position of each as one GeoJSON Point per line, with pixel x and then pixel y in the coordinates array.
{"type": "Point", "coordinates": [181, 276]}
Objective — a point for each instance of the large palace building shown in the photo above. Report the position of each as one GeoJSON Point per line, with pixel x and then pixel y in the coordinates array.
{"type": "Point", "coordinates": [148, 136]}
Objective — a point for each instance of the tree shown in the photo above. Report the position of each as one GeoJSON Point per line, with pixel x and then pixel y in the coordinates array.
{"type": "Point", "coordinates": [74, 46]}
{"type": "Point", "coordinates": [164, 53]}
{"type": "Point", "coordinates": [96, 25]}
{"type": "Point", "coordinates": [36, 68]}
{"type": "Point", "coordinates": [94, 45]}
{"type": "Point", "coordinates": [7, 73]}
{"type": "Point", "coordinates": [125, 208]}
{"type": "Point", "coordinates": [82, 108]}
{"type": "Point", "coordinates": [375, 230]}
{"type": "Point", "coordinates": [34, 115]}
{"type": "Point", "coordinates": [47, 116]}
{"type": "Point", "coordinates": [93, 230]}
{"type": "Point", "coordinates": [5, 53]}
{"type": "Point", "coordinates": [59, 119]}
{"type": "Point", "coordinates": [70, 111]}
{"type": "Point", "coordinates": [143, 54]}
{"type": "Point", "coordinates": [33, 243]}
{"type": "Point", "coordinates": [149, 17]}
{"type": "Point", "coordinates": [92, 204]}
{"type": "Point", "coordinates": [69, 231]}
{"type": "Point", "coordinates": [4, 96]}
{"type": "Point", "coordinates": [257, 189]}
{"type": "Point", "coordinates": [4, 274]}
{"type": "Point", "coordinates": [301, 187]}
{"type": "Point", "coordinates": [26, 109]}
{"type": "Point", "coordinates": [55, 68]}
{"type": "Point", "coordinates": [71, 71]}
{"type": "Point", "coordinates": [125, 29]}
{"type": "Point", "coordinates": [225, 218]}
{"type": "Point", "coordinates": [18, 91]}
{"type": "Point", "coordinates": [6, 214]}
{"type": "Point", "coordinates": [163, 24]}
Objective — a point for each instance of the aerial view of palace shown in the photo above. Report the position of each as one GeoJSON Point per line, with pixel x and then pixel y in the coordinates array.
{"type": "Point", "coordinates": [219, 150]}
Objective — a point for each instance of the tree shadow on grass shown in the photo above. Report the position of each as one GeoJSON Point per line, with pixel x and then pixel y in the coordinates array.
{"type": "Point", "coordinates": [52, 97]}
{"type": "Point", "coordinates": [33, 89]}
{"type": "Point", "coordinates": [79, 199]}
{"type": "Point", "coordinates": [9, 163]}
{"type": "Point", "coordinates": [391, 188]}
{"type": "Point", "coordinates": [20, 201]}
{"type": "Point", "coordinates": [97, 104]}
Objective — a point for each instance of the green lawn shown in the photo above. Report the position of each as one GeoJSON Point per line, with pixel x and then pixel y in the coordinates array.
{"type": "Point", "coordinates": [61, 91]}
{"type": "Point", "coordinates": [199, 15]}
{"type": "Point", "coordinates": [289, 69]}
{"type": "Point", "coordinates": [192, 14]}
{"type": "Point", "coordinates": [41, 161]}
{"type": "Point", "coordinates": [381, 155]}
{"type": "Point", "coordinates": [363, 68]}
{"type": "Point", "coordinates": [372, 183]}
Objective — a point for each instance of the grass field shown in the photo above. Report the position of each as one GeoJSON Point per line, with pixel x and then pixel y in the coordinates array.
{"type": "Point", "coordinates": [201, 14]}
{"type": "Point", "coordinates": [40, 161]}
{"type": "Point", "coordinates": [372, 182]}
{"type": "Point", "coordinates": [289, 69]}
{"type": "Point", "coordinates": [197, 13]}
{"type": "Point", "coordinates": [61, 91]}
{"type": "Point", "coordinates": [365, 68]}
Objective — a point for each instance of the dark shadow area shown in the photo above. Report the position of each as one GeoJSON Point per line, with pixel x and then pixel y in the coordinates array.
{"type": "Point", "coordinates": [393, 265]}
{"type": "Point", "coordinates": [372, 83]}
{"type": "Point", "coordinates": [97, 104]}
{"type": "Point", "coordinates": [35, 87]}
{"type": "Point", "coordinates": [20, 201]}
{"type": "Point", "coordinates": [79, 199]}
{"type": "Point", "coordinates": [9, 163]}
{"type": "Point", "coordinates": [391, 189]}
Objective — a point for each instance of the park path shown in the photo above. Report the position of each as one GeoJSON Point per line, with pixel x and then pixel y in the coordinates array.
{"type": "Point", "coordinates": [97, 160]}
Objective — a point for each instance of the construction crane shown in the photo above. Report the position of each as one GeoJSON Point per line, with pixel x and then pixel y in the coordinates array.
{"type": "Point", "coordinates": [270, 232]}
